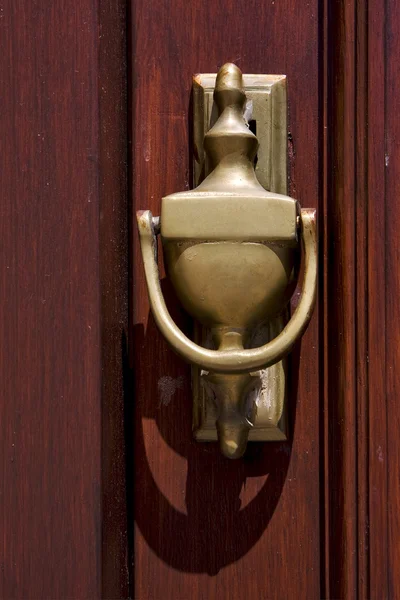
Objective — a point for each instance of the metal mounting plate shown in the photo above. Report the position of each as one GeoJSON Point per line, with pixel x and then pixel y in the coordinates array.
{"type": "Point", "coordinates": [266, 112]}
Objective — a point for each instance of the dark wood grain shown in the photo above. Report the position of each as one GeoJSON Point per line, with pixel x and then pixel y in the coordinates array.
{"type": "Point", "coordinates": [63, 282]}
{"type": "Point", "coordinates": [390, 227]}
{"type": "Point", "coordinates": [358, 293]}
{"type": "Point", "coordinates": [315, 517]}
{"type": "Point", "coordinates": [340, 344]}
{"type": "Point", "coordinates": [113, 274]}
{"type": "Point", "coordinates": [207, 528]}
{"type": "Point", "coordinates": [380, 292]}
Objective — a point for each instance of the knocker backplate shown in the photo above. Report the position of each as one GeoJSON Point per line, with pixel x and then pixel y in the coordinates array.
{"type": "Point", "coordinates": [266, 113]}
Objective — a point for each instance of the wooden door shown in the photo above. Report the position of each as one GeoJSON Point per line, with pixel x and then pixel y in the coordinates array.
{"type": "Point", "coordinates": [314, 517]}
{"type": "Point", "coordinates": [104, 491]}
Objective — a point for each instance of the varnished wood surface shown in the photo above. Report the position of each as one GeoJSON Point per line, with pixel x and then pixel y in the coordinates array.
{"type": "Point", "coordinates": [340, 343]}
{"type": "Point", "coordinates": [317, 517]}
{"type": "Point", "coordinates": [205, 527]}
{"type": "Point", "coordinates": [361, 290]}
{"type": "Point", "coordinates": [62, 270]}
{"type": "Point", "coordinates": [113, 279]}
{"type": "Point", "coordinates": [357, 406]}
{"type": "Point", "coordinates": [392, 282]}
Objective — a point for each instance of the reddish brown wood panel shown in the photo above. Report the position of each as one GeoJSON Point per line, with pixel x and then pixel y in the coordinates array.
{"type": "Point", "coordinates": [62, 308]}
{"type": "Point", "coordinates": [391, 461]}
{"type": "Point", "coordinates": [113, 274]}
{"type": "Point", "coordinates": [379, 455]}
{"type": "Point", "coordinates": [358, 292]}
{"type": "Point", "coordinates": [205, 527]}
{"type": "Point", "coordinates": [340, 308]}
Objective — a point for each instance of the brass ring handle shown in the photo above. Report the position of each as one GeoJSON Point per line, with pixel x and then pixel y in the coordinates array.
{"type": "Point", "coordinates": [231, 361]}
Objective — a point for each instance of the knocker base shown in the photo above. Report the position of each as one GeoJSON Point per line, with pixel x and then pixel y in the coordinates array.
{"type": "Point", "coordinates": [266, 111]}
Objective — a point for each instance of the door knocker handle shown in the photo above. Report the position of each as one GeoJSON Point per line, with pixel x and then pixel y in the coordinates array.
{"type": "Point", "coordinates": [231, 358]}
{"type": "Point", "coordinates": [231, 252]}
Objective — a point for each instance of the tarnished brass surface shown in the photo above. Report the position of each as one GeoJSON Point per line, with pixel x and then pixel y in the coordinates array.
{"type": "Point", "coordinates": [266, 108]}
{"type": "Point", "coordinates": [243, 217]}
{"type": "Point", "coordinates": [231, 278]}
{"type": "Point", "coordinates": [267, 403]}
{"type": "Point", "coordinates": [266, 113]}
{"type": "Point", "coordinates": [230, 356]}
{"type": "Point", "coordinates": [213, 280]}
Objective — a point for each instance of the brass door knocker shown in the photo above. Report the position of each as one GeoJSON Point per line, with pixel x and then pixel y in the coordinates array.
{"type": "Point", "coordinates": [230, 250]}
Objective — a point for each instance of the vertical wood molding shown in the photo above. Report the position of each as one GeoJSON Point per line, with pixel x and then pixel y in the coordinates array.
{"type": "Point", "coordinates": [340, 341]}
{"type": "Point", "coordinates": [355, 287]}
{"type": "Point", "coordinates": [392, 286]}
{"type": "Point", "coordinates": [380, 293]}
{"type": "Point", "coordinates": [113, 244]}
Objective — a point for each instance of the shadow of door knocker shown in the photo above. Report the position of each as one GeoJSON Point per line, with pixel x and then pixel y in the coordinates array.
{"type": "Point", "coordinates": [215, 531]}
